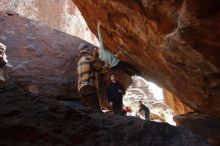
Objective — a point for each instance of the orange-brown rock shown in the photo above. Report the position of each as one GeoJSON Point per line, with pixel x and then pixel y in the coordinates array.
{"type": "Point", "coordinates": [202, 125]}
{"type": "Point", "coordinates": [175, 104]}
{"type": "Point", "coordinates": [175, 43]}
{"type": "Point", "coordinates": [156, 117]}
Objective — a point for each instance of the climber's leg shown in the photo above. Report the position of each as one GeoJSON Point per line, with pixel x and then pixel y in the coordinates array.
{"type": "Point", "coordinates": [127, 68]}
{"type": "Point", "coordinates": [90, 96]}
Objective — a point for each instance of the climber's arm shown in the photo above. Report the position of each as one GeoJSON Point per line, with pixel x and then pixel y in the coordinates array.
{"type": "Point", "coordinates": [106, 64]}
{"type": "Point", "coordinates": [100, 36]}
{"type": "Point", "coordinates": [98, 66]}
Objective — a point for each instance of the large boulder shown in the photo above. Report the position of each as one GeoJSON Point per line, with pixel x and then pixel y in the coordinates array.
{"type": "Point", "coordinates": [202, 125]}
{"type": "Point", "coordinates": [43, 61]}
{"type": "Point", "coordinates": [175, 43]}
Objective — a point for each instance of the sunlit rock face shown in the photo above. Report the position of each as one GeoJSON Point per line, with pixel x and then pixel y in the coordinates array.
{"type": "Point", "coordinates": [175, 104]}
{"type": "Point", "coordinates": [174, 43]}
{"type": "Point", "coordinates": [143, 87]}
{"type": "Point", "coordinates": [59, 14]}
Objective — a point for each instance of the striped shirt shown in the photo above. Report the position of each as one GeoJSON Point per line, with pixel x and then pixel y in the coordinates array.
{"type": "Point", "coordinates": [86, 67]}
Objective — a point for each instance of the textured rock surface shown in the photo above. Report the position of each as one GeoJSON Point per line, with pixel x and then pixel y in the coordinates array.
{"type": "Point", "coordinates": [32, 121]}
{"type": "Point", "coordinates": [201, 125]}
{"type": "Point", "coordinates": [174, 43]}
{"type": "Point", "coordinates": [175, 104]}
{"type": "Point", "coordinates": [43, 59]}
{"type": "Point", "coordinates": [59, 14]}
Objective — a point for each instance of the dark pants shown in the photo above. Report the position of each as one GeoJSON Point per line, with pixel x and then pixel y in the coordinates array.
{"type": "Point", "coordinates": [90, 97]}
{"type": "Point", "coordinates": [117, 108]}
{"type": "Point", "coordinates": [127, 68]}
{"type": "Point", "coordinates": [147, 115]}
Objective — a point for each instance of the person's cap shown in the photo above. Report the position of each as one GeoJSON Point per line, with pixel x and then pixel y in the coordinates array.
{"type": "Point", "coordinates": [84, 48]}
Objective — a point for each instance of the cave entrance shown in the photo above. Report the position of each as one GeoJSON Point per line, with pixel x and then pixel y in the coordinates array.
{"type": "Point", "coordinates": [152, 96]}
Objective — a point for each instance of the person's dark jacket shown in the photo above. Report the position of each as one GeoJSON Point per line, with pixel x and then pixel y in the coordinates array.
{"type": "Point", "coordinates": [144, 108]}
{"type": "Point", "coordinates": [113, 94]}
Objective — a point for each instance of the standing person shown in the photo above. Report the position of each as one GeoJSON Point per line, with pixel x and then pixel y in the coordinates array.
{"type": "Point", "coordinates": [87, 82]}
{"type": "Point", "coordinates": [115, 94]}
{"type": "Point", "coordinates": [143, 108]}
{"type": "Point", "coordinates": [111, 59]}
{"type": "Point", "coordinates": [3, 61]}
{"type": "Point", "coordinates": [3, 57]}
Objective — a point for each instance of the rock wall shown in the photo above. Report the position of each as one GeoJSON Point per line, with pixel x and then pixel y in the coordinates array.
{"type": "Point", "coordinates": [62, 15]}
{"type": "Point", "coordinates": [175, 104]}
{"type": "Point", "coordinates": [175, 43]}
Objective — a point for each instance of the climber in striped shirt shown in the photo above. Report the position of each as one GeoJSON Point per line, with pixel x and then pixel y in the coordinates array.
{"type": "Point", "coordinates": [87, 82]}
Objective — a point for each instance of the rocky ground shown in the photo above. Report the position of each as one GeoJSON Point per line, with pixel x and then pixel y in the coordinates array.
{"type": "Point", "coordinates": [32, 121]}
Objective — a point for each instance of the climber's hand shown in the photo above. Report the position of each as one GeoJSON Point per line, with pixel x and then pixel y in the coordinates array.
{"type": "Point", "coordinates": [99, 23]}
{"type": "Point", "coordinates": [120, 91]}
{"type": "Point", "coordinates": [106, 65]}
{"type": "Point", "coordinates": [111, 103]}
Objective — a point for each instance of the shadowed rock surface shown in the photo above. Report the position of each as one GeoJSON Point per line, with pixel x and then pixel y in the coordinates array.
{"type": "Point", "coordinates": [201, 124]}
{"type": "Point", "coordinates": [43, 59]}
{"type": "Point", "coordinates": [32, 121]}
{"type": "Point", "coordinates": [174, 43]}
